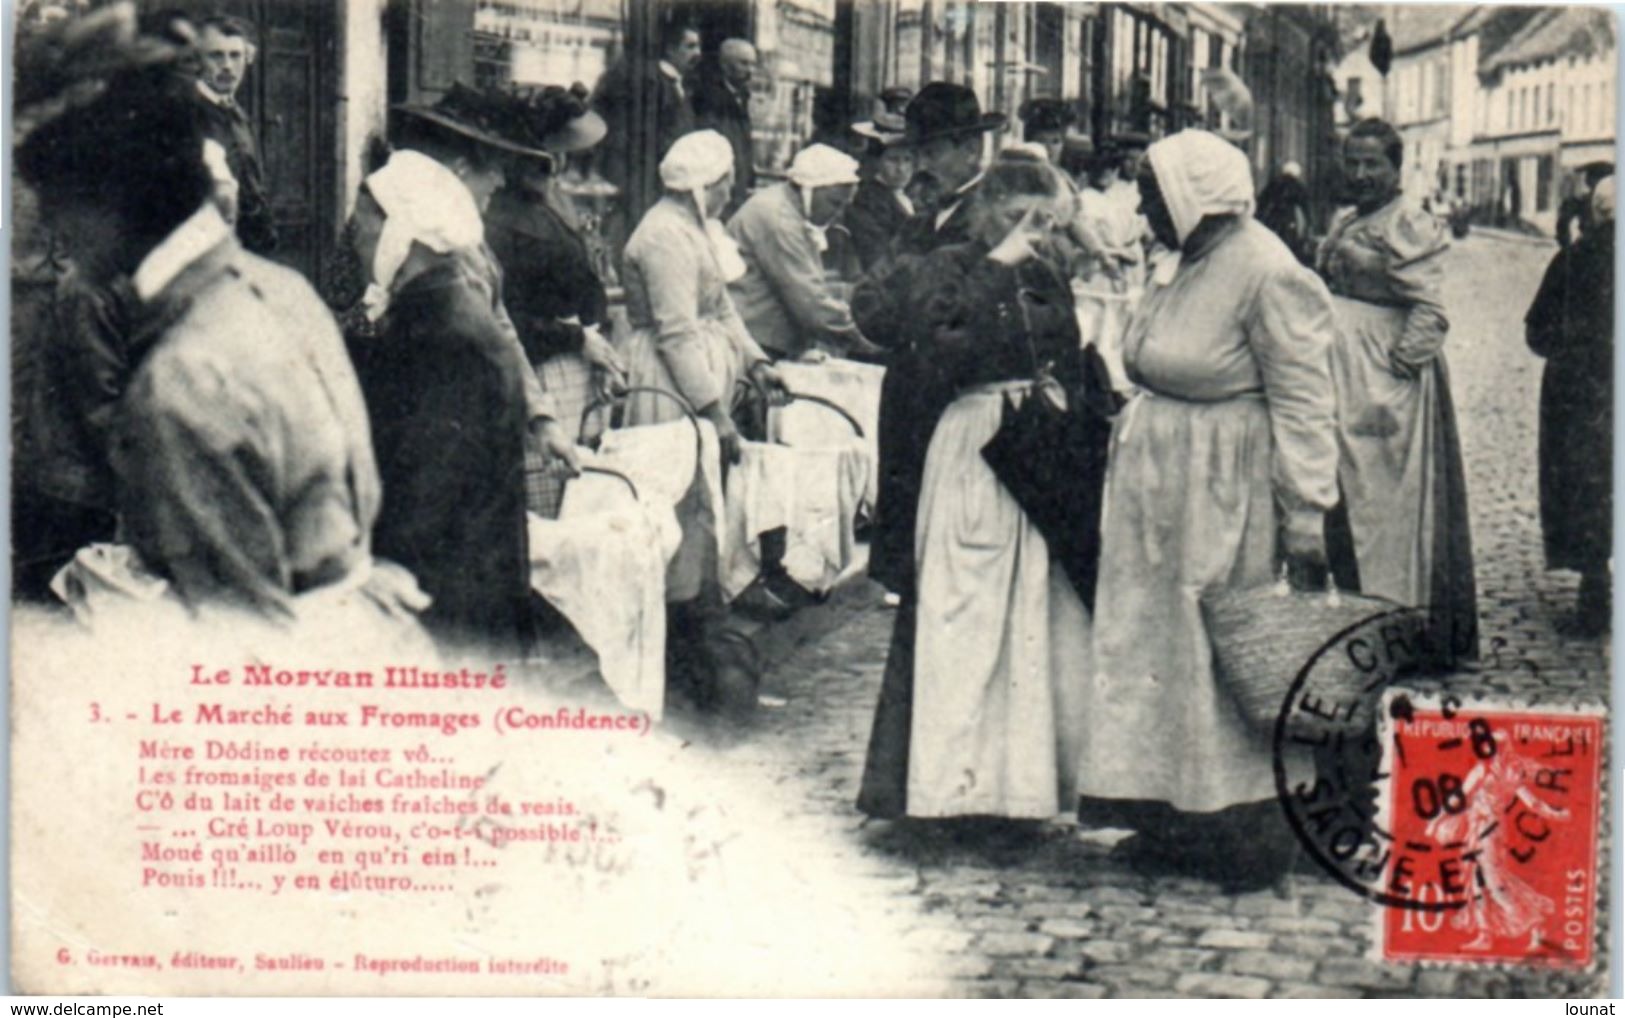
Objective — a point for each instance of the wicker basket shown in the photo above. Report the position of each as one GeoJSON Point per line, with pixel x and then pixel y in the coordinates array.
{"type": "Point", "coordinates": [1263, 637]}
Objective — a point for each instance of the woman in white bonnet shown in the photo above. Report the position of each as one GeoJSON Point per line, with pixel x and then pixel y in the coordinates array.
{"type": "Point", "coordinates": [686, 335]}
{"type": "Point", "coordinates": [1221, 468]}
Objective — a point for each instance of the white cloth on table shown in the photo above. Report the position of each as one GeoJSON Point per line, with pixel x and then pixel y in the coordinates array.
{"type": "Point", "coordinates": [602, 564]}
{"type": "Point", "coordinates": [812, 493]}
{"type": "Point", "coordinates": [659, 459]}
{"type": "Point", "coordinates": [851, 385]}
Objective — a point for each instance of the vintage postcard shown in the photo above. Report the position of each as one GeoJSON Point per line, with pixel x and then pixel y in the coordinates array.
{"type": "Point", "coordinates": [811, 498]}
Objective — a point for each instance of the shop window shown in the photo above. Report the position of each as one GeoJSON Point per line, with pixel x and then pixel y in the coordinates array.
{"type": "Point", "coordinates": [1543, 184]}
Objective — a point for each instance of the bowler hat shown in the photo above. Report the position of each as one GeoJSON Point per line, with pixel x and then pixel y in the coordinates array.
{"type": "Point", "coordinates": [494, 119]}
{"type": "Point", "coordinates": [945, 110]}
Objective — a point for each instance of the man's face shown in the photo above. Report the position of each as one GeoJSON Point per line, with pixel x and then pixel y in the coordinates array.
{"type": "Point", "coordinates": [829, 202]}
{"type": "Point", "coordinates": [738, 67]}
{"type": "Point", "coordinates": [225, 59]}
{"type": "Point", "coordinates": [1053, 142]}
{"type": "Point", "coordinates": [686, 53]}
{"type": "Point", "coordinates": [952, 161]}
{"type": "Point", "coordinates": [896, 167]}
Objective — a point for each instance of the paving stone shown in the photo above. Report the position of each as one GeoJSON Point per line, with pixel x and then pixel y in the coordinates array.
{"type": "Point", "coordinates": [1308, 991]}
{"type": "Point", "coordinates": [1106, 952]}
{"type": "Point", "coordinates": [940, 941]}
{"type": "Point", "coordinates": [1312, 925]}
{"type": "Point", "coordinates": [1362, 972]}
{"type": "Point", "coordinates": [1178, 959]}
{"type": "Point", "coordinates": [1217, 984]}
{"type": "Point", "coordinates": [1128, 975]}
{"type": "Point", "coordinates": [1063, 990]}
{"type": "Point", "coordinates": [1270, 965]}
{"type": "Point", "coordinates": [1069, 928]}
{"type": "Point", "coordinates": [1235, 939]}
{"type": "Point", "coordinates": [1437, 982]}
{"type": "Point", "coordinates": [998, 944]}
{"type": "Point", "coordinates": [1103, 896]}
{"type": "Point", "coordinates": [1264, 904]}
{"type": "Point", "coordinates": [1040, 968]}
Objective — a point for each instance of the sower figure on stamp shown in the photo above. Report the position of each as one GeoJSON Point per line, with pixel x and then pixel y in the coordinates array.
{"type": "Point", "coordinates": [240, 448]}
{"type": "Point", "coordinates": [1222, 466]}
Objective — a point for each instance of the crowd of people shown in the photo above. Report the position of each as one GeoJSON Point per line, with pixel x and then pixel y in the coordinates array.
{"type": "Point", "coordinates": [1109, 390]}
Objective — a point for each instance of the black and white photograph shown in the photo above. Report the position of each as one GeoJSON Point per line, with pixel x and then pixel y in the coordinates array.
{"type": "Point", "coordinates": [811, 498]}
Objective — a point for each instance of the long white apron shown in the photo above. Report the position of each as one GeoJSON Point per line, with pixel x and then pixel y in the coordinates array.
{"type": "Point", "coordinates": [1385, 434]}
{"type": "Point", "coordinates": [1189, 506]}
{"type": "Point", "coordinates": [1001, 650]}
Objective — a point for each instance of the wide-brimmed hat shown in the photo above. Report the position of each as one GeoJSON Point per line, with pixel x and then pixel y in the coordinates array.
{"type": "Point", "coordinates": [945, 110]}
{"type": "Point", "coordinates": [70, 63]}
{"type": "Point", "coordinates": [495, 119]}
{"type": "Point", "coordinates": [887, 128]}
{"type": "Point", "coordinates": [562, 121]}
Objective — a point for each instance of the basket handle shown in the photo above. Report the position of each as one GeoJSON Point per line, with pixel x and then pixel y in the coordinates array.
{"type": "Point", "coordinates": [607, 472]}
{"type": "Point", "coordinates": [806, 397]}
{"type": "Point", "coordinates": [682, 404]}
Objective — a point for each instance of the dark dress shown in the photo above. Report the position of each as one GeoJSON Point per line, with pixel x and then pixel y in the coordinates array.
{"type": "Point", "coordinates": [957, 339]}
{"type": "Point", "coordinates": [1571, 324]}
{"type": "Point", "coordinates": [447, 411]}
{"type": "Point", "coordinates": [548, 273]}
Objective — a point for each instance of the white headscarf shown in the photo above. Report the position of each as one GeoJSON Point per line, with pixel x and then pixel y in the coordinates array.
{"type": "Point", "coordinates": [1201, 174]}
{"type": "Point", "coordinates": [693, 163]}
{"type": "Point", "coordinates": [424, 202]}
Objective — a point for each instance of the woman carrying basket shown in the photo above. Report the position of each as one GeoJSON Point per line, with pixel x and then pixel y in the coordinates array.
{"type": "Point", "coordinates": [1221, 467]}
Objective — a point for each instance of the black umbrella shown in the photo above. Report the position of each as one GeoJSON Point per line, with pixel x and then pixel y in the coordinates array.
{"type": "Point", "coordinates": [1053, 463]}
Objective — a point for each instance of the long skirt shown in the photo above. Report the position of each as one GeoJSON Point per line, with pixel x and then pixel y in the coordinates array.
{"type": "Point", "coordinates": [913, 398]}
{"type": "Point", "coordinates": [1189, 507]}
{"type": "Point", "coordinates": [695, 570]}
{"type": "Point", "coordinates": [1576, 461]}
{"type": "Point", "coordinates": [1001, 648]}
{"type": "Point", "coordinates": [1403, 483]}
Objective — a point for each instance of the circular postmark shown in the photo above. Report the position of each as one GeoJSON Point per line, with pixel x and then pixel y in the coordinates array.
{"type": "Point", "coordinates": [1332, 714]}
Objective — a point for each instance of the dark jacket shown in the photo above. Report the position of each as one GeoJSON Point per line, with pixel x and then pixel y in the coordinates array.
{"type": "Point", "coordinates": [915, 392]}
{"type": "Point", "coordinates": [872, 220]}
{"type": "Point", "coordinates": [718, 107]}
{"type": "Point", "coordinates": [548, 272]}
{"type": "Point", "coordinates": [1571, 324]}
{"type": "Point", "coordinates": [228, 125]}
{"type": "Point", "coordinates": [447, 410]}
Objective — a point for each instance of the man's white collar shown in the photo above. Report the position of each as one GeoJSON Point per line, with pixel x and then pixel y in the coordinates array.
{"type": "Point", "coordinates": [210, 94]}
{"type": "Point", "coordinates": [190, 241]}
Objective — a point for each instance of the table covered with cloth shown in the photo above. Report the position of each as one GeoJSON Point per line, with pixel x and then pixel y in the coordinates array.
{"type": "Point", "coordinates": [851, 385]}
{"type": "Point", "coordinates": [603, 564]}
{"type": "Point", "coordinates": [812, 493]}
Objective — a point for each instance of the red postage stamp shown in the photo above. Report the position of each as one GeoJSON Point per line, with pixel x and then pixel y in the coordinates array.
{"type": "Point", "coordinates": [1493, 813]}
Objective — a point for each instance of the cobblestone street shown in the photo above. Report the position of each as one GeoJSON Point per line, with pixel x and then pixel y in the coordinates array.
{"type": "Point", "coordinates": [1056, 917]}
